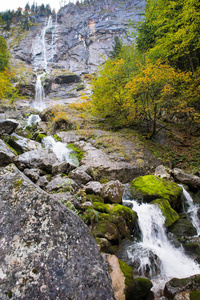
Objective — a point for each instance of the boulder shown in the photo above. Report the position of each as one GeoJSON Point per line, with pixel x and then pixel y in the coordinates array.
{"type": "Point", "coordinates": [47, 251]}
{"type": "Point", "coordinates": [142, 289]}
{"type": "Point", "coordinates": [112, 191]}
{"type": "Point", "coordinates": [176, 286]}
{"type": "Point", "coordinates": [6, 154]}
{"type": "Point", "coordinates": [61, 184]}
{"type": "Point", "coordinates": [35, 159]}
{"type": "Point", "coordinates": [61, 79]}
{"type": "Point", "coordinates": [62, 167]}
{"type": "Point", "coordinates": [8, 126]}
{"type": "Point", "coordinates": [148, 188]}
{"type": "Point", "coordinates": [163, 172]}
{"type": "Point", "coordinates": [171, 216]}
{"type": "Point", "coordinates": [80, 176]}
{"type": "Point", "coordinates": [183, 227]}
{"type": "Point", "coordinates": [33, 174]}
{"type": "Point", "coordinates": [22, 144]}
{"type": "Point", "coordinates": [93, 187]}
{"type": "Point", "coordinates": [42, 181]}
{"type": "Point", "coordinates": [191, 180]}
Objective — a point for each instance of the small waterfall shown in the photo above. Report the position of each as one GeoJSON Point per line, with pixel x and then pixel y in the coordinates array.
{"type": "Point", "coordinates": [155, 255]}
{"type": "Point", "coordinates": [33, 119]}
{"type": "Point", "coordinates": [192, 210]}
{"type": "Point", "coordinates": [39, 103]}
{"type": "Point", "coordinates": [61, 150]}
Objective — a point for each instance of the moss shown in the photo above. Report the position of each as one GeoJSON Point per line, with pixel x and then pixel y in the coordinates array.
{"type": "Point", "coordinates": [141, 288]}
{"type": "Point", "coordinates": [17, 184]}
{"type": "Point", "coordinates": [77, 151]}
{"type": "Point", "coordinates": [57, 138]}
{"type": "Point", "coordinates": [128, 274]}
{"type": "Point", "coordinates": [10, 294]}
{"type": "Point", "coordinates": [35, 271]}
{"type": "Point", "coordinates": [101, 207]}
{"type": "Point", "coordinates": [94, 198]}
{"type": "Point", "coordinates": [150, 187]}
{"type": "Point", "coordinates": [171, 216]}
{"type": "Point", "coordinates": [39, 137]}
{"type": "Point", "coordinates": [176, 282]}
{"type": "Point", "coordinates": [194, 295]}
{"type": "Point", "coordinates": [127, 213]}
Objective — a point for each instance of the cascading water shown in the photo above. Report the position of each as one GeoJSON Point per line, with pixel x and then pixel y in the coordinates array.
{"type": "Point", "coordinates": [192, 210]}
{"type": "Point", "coordinates": [155, 256]}
{"type": "Point", "coordinates": [41, 59]}
{"type": "Point", "coordinates": [62, 151]}
{"type": "Point", "coordinates": [33, 119]}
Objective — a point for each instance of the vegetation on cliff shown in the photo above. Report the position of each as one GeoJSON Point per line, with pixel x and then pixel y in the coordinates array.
{"type": "Point", "coordinates": [156, 79]}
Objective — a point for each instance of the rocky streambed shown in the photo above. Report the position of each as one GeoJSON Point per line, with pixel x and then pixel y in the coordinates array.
{"type": "Point", "coordinates": [63, 225]}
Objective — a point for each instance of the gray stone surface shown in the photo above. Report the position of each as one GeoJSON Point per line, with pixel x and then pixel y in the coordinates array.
{"type": "Point", "coordinates": [47, 252]}
{"type": "Point", "coordinates": [23, 144]}
{"type": "Point", "coordinates": [8, 126]}
{"type": "Point", "coordinates": [6, 154]}
{"type": "Point", "coordinates": [112, 191]}
{"type": "Point", "coordinates": [191, 180]}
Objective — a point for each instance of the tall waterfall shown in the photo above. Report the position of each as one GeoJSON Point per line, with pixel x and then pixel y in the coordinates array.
{"type": "Point", "coordinates": [155, 255]}
{"type": "Point", "coordinates": [43, 53]}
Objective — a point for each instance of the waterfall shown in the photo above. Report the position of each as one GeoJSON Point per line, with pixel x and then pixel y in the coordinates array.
{"type": "Point", "coordinates": [41, 59]}
{"type": "Point", "coordinates": [192, 210]}
{"type": "Point", "coordinates": [33, 119]}
{"type": "Point", "coordinates": [61, 150]}
{"type": "Point", "coordinates": [155, 255]}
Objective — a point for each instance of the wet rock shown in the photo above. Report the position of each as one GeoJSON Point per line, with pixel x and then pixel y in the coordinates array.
{"type": "Point", "coordinates": [22, 144]}
{"type": "Point", "coordinates": [80, 176]}
{"type": "Point", "coordinates": [171, 216]}
{"type": "Point", "coordinates": [141, 289]}
{"type": "Point", "coordinates": [191, 180]}
{"type": "Point", "coordinates": [47, 252]}
{"type": "Point", "coordinates": [60, 79]}
{"type": "Point", "coordinates": [93, 187]}
{"type": "Point", "coordinates": [183, 227]}
{"type": "Point", "coordinates": [176, 286]}
{"type": "Point", "coordinates": [8, 126]}
{"type": "Point", "coordinates": [6, 154]}
{"type": "Point", "coordinates": [61, 183]}
{"type": "Point", "coordinates": [112, 191]}
{"type": "Point", "coordinates": [26, 89]}
{"type": "Point", "coordinates": [163, 172]}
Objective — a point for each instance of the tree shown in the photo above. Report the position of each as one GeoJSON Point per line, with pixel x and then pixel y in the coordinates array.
{"type": "Point", "coordinates": [117, 48]}
{"type": "Point", "coordinates": [4, 55]}
{"type": "Point", "coordinates": [155, 92]}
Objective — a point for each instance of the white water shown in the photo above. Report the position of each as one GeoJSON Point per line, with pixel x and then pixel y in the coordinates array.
{"type": "Point", "coordinates": [61, 151]}
{"type": "Point", "coordinates": [192, 210]}
{"type": "Point", "coordinates": [41, 59]}
{"type": "Point", "coordinates": [33, 119]}
{"type": "Point", "coordinates": [158, 259]}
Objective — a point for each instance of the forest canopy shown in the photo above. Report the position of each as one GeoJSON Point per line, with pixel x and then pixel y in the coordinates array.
{"type": "Point", "coordinates": [158, 77]}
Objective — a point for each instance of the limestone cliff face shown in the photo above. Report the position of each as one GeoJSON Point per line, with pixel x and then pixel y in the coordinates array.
{"type": "Point", "coordinates": [83, 35]}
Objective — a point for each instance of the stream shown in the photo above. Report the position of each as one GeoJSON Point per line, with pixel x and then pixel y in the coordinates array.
{"type": "Point", "coordinates": [154, 255]}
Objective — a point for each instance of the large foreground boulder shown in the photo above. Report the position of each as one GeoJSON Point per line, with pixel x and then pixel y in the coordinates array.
{"type": "Point", "coordinates": [47, 251]}
{"type": "Point", "coordinates": [8, 126]}
{"type": "Point", "coordinates": [6, 154]}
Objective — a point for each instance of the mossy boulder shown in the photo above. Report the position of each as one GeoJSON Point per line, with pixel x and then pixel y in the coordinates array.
{"type": "Point", "coordinates": [110, 223]}
{"type": "Point", "coordinates": [176, 286]}
{"type": "Point", "coordinates": [148, 188]}
{"type": "Point", "coordinates": [128, 274]}
{"type": "Point", "coordinates": [171, 216]}
{"type": "Point", "coordinates": [183, 227]}
{"type": "Point", "coordinates": [141, 289]}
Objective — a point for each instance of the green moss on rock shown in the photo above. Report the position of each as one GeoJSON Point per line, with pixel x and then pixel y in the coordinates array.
{"type": "Point", "coordinates": [40, 137]}
{"type": "Point", "coordinates": [102, 207]}
{"type": "Point", "coordinates": [128, 274]}
{"type": "Point", "coordinates": [195, 295]}
{"type": "Point", "coordinates": [141, 288]}
{"type": "Point", "coordinates": [94, 198]}
{"type": "Point", "coordinates": [148, 188]}
{"type": "Point", "coordinates": [171, 216]}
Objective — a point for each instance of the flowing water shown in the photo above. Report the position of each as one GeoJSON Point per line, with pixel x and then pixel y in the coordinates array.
{"type": "Point", "coordinates": [192, 210]}
{"type": "Point", "coordinates": [154, 255]}
{"type": "Point", "coordinates": [61, 150]}
{"type": "Point", "coordinates": [33, 119]}
{"type": "Point", "coordinates": [43, 52]}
